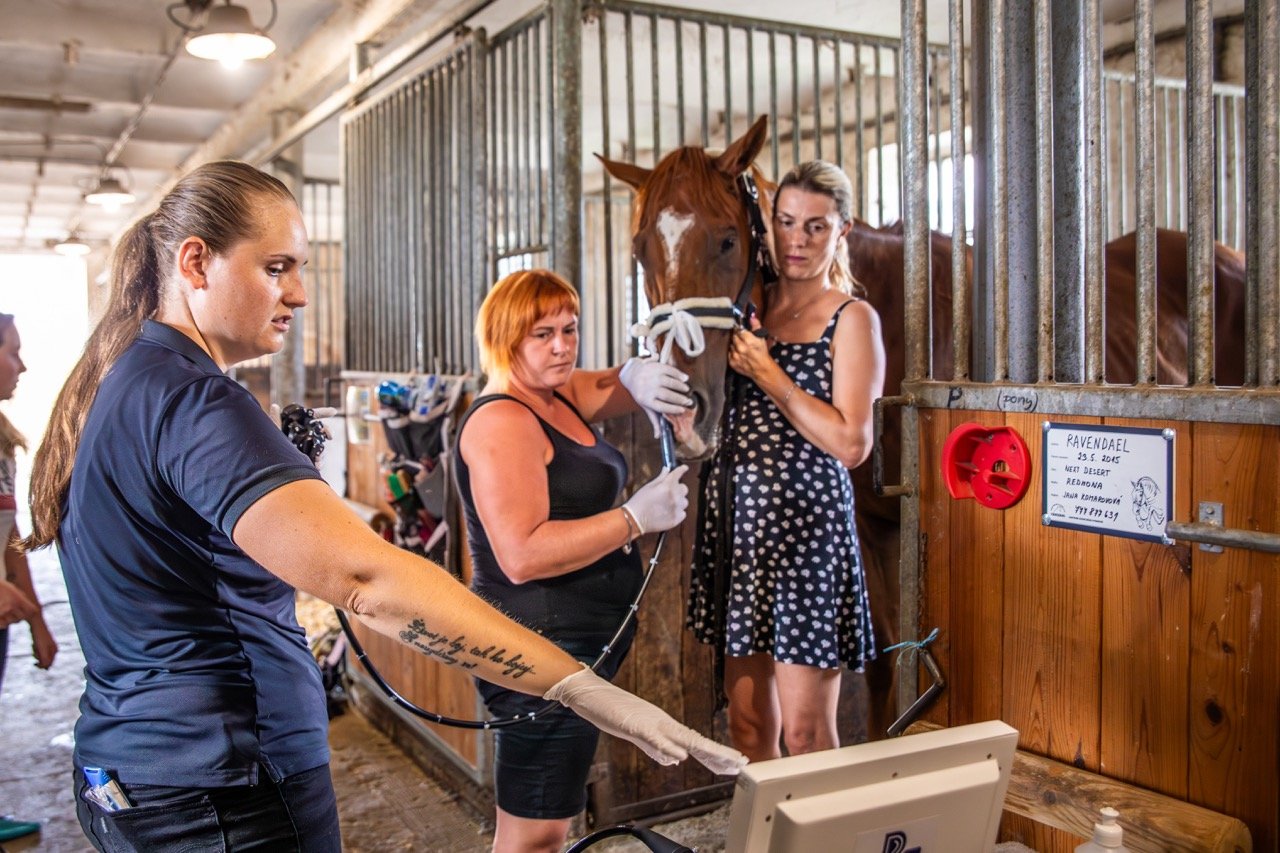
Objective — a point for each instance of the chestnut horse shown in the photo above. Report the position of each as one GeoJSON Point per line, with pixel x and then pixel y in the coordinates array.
{"type": "Point", "coordinates": [691, 235]}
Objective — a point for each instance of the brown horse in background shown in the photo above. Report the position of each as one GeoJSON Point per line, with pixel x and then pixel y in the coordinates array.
{"type": "Point", "coordinates": [699, 194]}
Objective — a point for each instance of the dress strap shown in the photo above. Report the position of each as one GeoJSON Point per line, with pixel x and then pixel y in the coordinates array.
{"type": "Point", "coordinates": [829, 332]}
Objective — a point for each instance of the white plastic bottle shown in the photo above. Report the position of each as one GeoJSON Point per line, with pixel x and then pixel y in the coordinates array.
{"type": "Point", "coordinates": [1108, 836]}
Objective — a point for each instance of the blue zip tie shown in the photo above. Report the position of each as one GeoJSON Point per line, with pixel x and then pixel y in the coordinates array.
{"type": "Point", "coordinates": [914, 644]}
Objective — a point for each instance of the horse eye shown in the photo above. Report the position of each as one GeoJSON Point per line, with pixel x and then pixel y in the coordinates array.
{"type": "Point", "coordinates": [728, 244]}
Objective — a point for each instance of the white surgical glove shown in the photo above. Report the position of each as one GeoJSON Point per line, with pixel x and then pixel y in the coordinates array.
{"type": "Point", "coordinates": [661, 503]}
{"type": "Point", "coordinates": [612, 709]}
{"type": "Point", "coordinates": [659, 388]}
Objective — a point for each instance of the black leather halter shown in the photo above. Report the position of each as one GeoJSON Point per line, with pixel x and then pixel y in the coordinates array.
{"type": "Point", "coordinates": [759, 259]}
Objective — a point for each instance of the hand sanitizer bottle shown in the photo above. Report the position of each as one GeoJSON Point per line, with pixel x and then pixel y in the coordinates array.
{"type": "Point", "coordinates": [1108, 836]}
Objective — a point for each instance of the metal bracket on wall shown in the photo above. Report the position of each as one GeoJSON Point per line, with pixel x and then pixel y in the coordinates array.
{"type": "Point", "coordinates": [1209, 530]}
{"type": "Point", "coordinates": [1210, 512]}
{"type": "Point", "coordinates": [877, 446]}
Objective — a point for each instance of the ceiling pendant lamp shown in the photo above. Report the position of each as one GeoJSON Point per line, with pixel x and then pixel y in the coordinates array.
{"type": "Point", "coordinates": [109, 194]}
{"type": "Point", "coordinates": [72, 247]}
{"type": "Point", "coordinates": [228, 34]}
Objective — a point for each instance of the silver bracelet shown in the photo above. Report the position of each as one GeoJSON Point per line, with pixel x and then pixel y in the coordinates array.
{"type": "Point", "coordinates": [633, 529]}
{"type": "Point", "coordinates": [790, 391]}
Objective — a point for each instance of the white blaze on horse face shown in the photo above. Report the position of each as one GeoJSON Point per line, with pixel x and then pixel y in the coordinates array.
{"type": "Point", "coordinates": [672, 226]}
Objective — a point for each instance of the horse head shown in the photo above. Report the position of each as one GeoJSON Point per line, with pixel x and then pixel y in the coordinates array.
{"type": "Point", "coordinates": [692, 236]}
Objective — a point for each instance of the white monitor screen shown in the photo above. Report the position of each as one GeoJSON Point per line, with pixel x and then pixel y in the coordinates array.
{"type": "Point", "coordinates": [941, 790]}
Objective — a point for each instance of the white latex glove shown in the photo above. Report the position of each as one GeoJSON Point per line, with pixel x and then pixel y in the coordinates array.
{"type": "Point", "coordinates": [612, 709]}
{"type": "Point", "coordinates": [659, 388]}
{"type": "Point", "coordinates": [661, 503]}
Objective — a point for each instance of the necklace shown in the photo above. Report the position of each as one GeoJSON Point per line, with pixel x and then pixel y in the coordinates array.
{"type": "Point", "coordinates": [812, 299]}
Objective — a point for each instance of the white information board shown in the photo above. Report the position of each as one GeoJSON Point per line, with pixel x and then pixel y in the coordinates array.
{"type": "Point", "coordinates": [1108, 479]}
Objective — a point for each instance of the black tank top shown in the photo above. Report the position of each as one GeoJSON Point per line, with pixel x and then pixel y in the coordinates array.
{"type": "Point", "coordinates": [585, 604]}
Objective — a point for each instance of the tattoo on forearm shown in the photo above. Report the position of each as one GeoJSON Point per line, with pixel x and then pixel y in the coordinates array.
{"type": "Point", "coordinates": [456, 651]}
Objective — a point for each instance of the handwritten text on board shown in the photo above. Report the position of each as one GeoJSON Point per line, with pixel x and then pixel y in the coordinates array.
{"type": "Point", "coordinates": [1108, 479]}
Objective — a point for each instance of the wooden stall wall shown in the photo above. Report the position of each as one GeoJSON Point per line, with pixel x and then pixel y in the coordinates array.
{"type": "Point", "coordinates": [667, 666]}
{"type": "Point", "coordinates": [419, 679]}
{"type": "Point", "coordinates": [1155, 665]}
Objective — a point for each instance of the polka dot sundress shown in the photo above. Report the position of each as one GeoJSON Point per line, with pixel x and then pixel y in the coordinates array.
{"type": "Point", "coordinates": [795, 589]}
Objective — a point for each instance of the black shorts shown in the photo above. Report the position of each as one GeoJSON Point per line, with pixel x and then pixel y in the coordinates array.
{"type": "Point", "coordinates": [540, 766]}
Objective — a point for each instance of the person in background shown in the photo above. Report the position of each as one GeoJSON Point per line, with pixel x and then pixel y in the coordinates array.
{"type": "Point", "coordinates": [185, 519]}
{"type": "Point", "coordinates": [550, 544]}
{"type": "Point", "coordinates": [790, 607]}
{"type": "Point", "coordinates": [18, 601]}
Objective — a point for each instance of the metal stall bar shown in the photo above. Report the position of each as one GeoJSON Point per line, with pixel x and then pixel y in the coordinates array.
{"type": "Point", "coordinates": [654, 88]}
{"type": "Point", "coordinates": [431, 230]}
{"type": "Point", "coordinates": [633, 292]}
{"type": "Point", "coordinates": [1015, 142]}
{"type": "Point", "coordinates": [838, 77]}
{"type": "Point", "coordinates": [703, 87]}
{"type": "Point", "coordinates": [750, 36]}
{"type": "Point", "coordinates": [1119, 179]}
{"type": "Point", "coordinates": [773, 98]}
{"type": "Point", "coordinates": [444, 205]}
{"type": "Point", "coordinates": [523, 176]}
{"type": "Point", "coordinates": [794, 55]}
{"type": "Point", "coordinates": [1200, 191]}
{"type": "Point", "coordinates": [1172, 131]}
{"type": "Point", "coordinates": [679, 29]}
{"type": "Point", "coordinates": [935, 113]}
{"type": "Point", "coordinates": [351, 250]}
{"type": "Point", "coordinates": [507, 243]}
{"type": "Point", "coordinates": [913, 143]}
{"type": "Point", "coordinates": [478, 185]}
{"type": "Point", "coordinates": [879, 144]}
{"type": "Point", "coordinates": [1042, 25]}
{"type": "Point", "coordinates": [1094, 198]}
{"type": "Point", "coordinates": [1145, 144]}
{"type": "Point", "coordinates": [817, 100]}
{"type": "Point", "coordinates": [728, 85]}
{"type": "Point", "coordinates": [610, 313]}
{"type": "Point", "coordinates": [543, 105]}
{"type": "Point", "coordinates": [435, 225]}
{"type": "Point", "coordinates": [997, 192]}
{"type": "Point", "coordinates": [382, 331]}
{"type": "Point", "coordinates": [1069, 146]}
{"type": "Point", "coordinates": [566, 139]}
{"type": "Point", "coordinates": [960, 284]}
{"type": "Point", "coordinates": [860, 160]}
{"type": "Point", "coordinates": [417, 248]}
{"type": "Point", "coordinates": [1262, 155]}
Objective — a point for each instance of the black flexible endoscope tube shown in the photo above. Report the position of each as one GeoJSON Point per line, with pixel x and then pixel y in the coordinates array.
{"type": "Point", "coordinates": [653, 840]}
{"type": "Point", "coordinates": [667, 443]}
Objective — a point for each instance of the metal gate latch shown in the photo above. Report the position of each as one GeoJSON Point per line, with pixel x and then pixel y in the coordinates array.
{"type": "Point", "coordinates": [1210, 512]}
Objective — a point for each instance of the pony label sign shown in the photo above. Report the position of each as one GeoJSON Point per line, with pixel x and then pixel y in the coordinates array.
{"type": "Point", "coordinates": [1108, 479]}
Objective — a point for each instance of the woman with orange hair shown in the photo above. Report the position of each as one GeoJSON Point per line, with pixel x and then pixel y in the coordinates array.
{"type": "Point", "coordinates": [550, 544]}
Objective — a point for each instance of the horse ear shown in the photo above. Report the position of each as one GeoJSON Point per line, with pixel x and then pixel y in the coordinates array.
{"type": "Point", "coordinates": [742, 152]}
{"type": "Point", "coordinates": [628, 173]}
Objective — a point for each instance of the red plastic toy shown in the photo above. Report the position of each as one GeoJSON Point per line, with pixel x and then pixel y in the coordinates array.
{"type": "Point", "coordinates": [989, 464]}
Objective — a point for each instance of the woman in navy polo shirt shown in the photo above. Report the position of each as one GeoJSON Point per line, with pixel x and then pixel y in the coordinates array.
{"type": "Point", "coordinates": [185, 520]}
